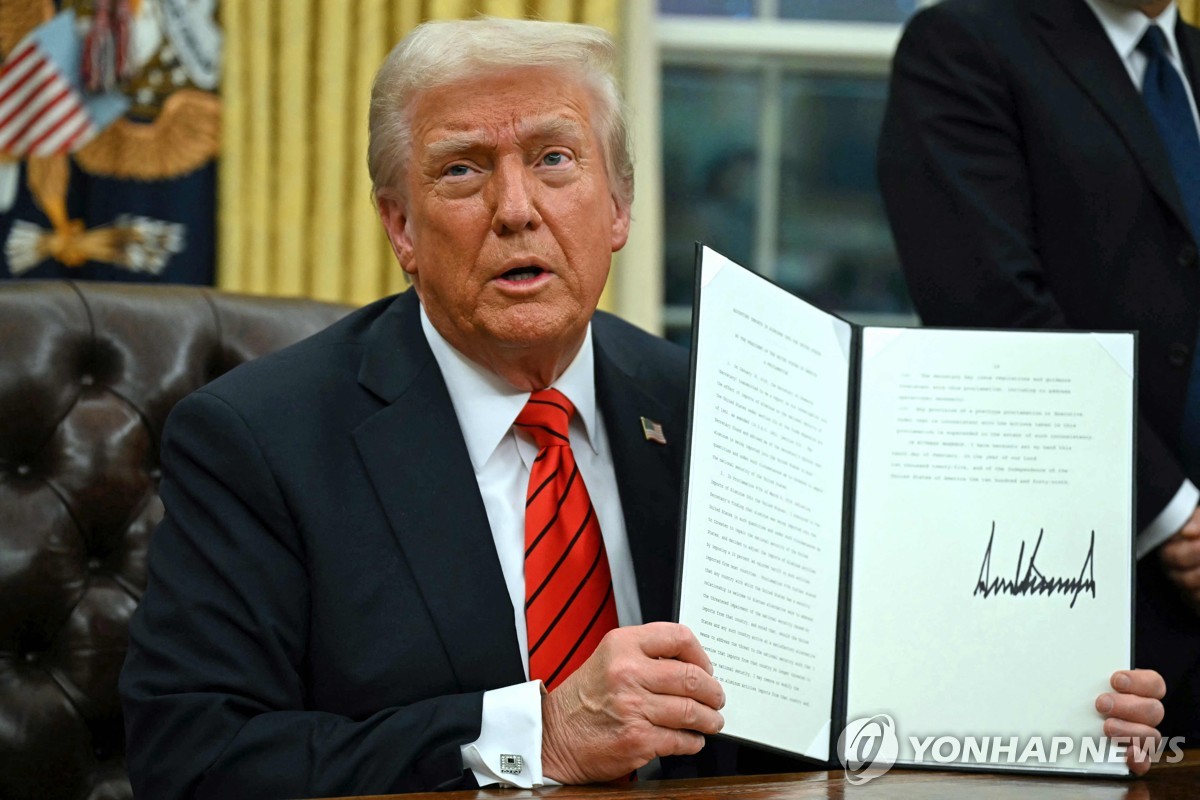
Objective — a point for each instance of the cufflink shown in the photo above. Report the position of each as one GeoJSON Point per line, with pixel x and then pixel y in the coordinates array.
{"type": "Point", "coordinates": [510, 764]}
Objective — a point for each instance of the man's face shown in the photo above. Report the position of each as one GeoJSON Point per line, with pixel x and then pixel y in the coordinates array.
{"type": "Point", "coordinates": [507, 222]}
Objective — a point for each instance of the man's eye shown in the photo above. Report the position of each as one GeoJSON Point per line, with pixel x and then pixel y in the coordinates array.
{"type": "Point", "coordinates": [457, 171]}
{"type": "Point", "coordinates": [554, 159]}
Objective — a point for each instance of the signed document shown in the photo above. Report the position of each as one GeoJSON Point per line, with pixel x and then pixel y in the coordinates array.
{"type": "Point", "coordinates": [932, 525]}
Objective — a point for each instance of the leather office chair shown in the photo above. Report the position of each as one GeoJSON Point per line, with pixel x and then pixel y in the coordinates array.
{"type": "Point", "coordinates": [88, 373]}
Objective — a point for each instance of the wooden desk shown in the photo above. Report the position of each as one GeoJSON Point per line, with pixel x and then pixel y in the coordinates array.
{"type": "Point", "coordinates": [1179, 781]}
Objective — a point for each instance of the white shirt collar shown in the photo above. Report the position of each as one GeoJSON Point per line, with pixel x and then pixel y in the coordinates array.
{"type": "Point", "coordinates": [1126, 26]}
{"type": "Point", "coordinates": [487, 406]}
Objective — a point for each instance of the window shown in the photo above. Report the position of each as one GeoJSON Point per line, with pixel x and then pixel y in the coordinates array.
{"type": "Point", "coordinates": [771, 115]}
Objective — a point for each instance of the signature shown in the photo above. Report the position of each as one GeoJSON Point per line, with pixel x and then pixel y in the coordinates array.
{"type": "Point", "coordinates": [1033, 581]}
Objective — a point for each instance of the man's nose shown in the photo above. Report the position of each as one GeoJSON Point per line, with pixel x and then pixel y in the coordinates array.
{"type": "Point", "coordinates": [515, 190]}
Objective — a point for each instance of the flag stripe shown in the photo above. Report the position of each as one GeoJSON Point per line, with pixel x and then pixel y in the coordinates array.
{"type": "Point", "coordinates": [41, 113]}
{"type": "Point", "coordinates": [18, 139]}
{"type": "Point", "coordinates": [22, 89]}
{"type": "Point", "coordinates": [15, 61]}
{"type": "Point", "coordinates": [14, 85]}
{"type": "Point", "coordinates": [52, 112]}
{"type": "Point", "coordinates": [87, 131]}
{"type": "Point", "coordinates": [50, 142]}
{"type": "Point", "coordinates": [22, 51]}
{"type": "Point", "coordinates": [52, 121]}
{"type": "Point", "coordinates": [20, 120]}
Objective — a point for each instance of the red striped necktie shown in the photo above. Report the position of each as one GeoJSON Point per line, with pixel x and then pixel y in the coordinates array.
{"type": "Point", "coordinates": [569, 603]}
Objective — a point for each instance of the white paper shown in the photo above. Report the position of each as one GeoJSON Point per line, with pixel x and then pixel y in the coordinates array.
{"type": "Point", "coordinates": [992, 528]}
{"type": "Point", "coordinates": [974, 437]}
{"type": "Point", "coordinates": [762, 554]}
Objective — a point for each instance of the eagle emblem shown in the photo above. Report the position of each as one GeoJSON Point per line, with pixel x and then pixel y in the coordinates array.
{"type": "Point", "coordinates": [115, 88]}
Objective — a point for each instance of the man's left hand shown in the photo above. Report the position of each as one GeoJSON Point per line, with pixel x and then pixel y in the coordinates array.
{"type": "Point", "coordinates": [1134, 710]}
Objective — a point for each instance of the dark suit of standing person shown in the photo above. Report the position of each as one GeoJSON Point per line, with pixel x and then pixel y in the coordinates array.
{"type": "Point", "coordinates": [1027, 185]}
{"type": "Point", "coordinates": [337, 599]}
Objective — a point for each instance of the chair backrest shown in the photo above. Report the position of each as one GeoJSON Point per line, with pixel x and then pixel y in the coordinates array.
{"type": "Point", "coordinates": [88, 374]}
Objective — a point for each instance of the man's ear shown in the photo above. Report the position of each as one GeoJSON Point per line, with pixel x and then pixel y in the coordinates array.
{"type": "Point", "coordinates": [394, 215]}
{"type": "Point", "coordinates": [620, 224]}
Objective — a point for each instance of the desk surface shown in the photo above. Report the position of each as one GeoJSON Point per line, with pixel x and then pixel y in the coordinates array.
{"type": "Point", "coordinates": [1180, 781]}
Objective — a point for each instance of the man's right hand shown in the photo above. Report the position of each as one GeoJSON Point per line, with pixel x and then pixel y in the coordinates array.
{"type": "Point", "coordinates": [1180, 557]}
{"type": "Point", "coordinates": [646, 691]}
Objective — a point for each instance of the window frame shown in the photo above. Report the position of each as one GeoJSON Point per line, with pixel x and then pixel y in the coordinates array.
{"type": "Point", "coordinates": [819, 47]}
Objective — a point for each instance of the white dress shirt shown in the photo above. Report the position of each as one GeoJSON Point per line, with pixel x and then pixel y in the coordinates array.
{"type": "Point", "coordinates": [486, 407]}
{"type": "Point", "coordinates": [1125, 28]}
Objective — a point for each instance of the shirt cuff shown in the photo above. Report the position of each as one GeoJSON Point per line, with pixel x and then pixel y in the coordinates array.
{"type": "Point", "coordinates": [509, 748]}
{"type": "Point", "coordinates": [1170, 519]}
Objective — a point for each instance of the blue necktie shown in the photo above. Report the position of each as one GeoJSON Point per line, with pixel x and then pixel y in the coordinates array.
{"type": "Point", "coordinates": [1167, 100]}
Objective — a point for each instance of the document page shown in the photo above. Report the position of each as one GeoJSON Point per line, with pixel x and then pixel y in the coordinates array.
{"type": "Point", "coordinates": [992, 542]}
{"type": "Point", "coordinates": [763, 523]}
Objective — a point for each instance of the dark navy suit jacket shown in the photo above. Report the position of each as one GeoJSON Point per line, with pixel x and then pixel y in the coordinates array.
{"type": "Point", "coordinates": [325, 606]}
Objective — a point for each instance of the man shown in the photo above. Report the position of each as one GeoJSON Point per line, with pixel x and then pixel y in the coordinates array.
{"type": "Point", "coordinates": [1031, 182]}
{"type": "Point", "coordinates": [347, 593]}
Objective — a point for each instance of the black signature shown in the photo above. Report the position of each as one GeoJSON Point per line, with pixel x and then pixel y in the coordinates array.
{"type": "Point", "coordinates": [1034, 582]}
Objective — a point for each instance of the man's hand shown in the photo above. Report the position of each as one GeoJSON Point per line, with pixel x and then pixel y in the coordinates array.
{"type": "Point", "coordinates": [1180, 556]}
{"type": "Point", "coordinates": [646, 691]}
{"type": "Point", "coordinates": [1134, 710]}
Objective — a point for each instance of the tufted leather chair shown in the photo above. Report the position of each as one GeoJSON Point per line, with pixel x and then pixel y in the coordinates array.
{"type": "Point", "coordinates": [88, 373]}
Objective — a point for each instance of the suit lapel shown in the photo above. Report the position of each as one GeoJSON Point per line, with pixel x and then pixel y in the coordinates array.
{"type": "Point", "coordinates": [647, 473]}
{"type": "Point", "coordinates": [1077, 40]}
{"type": "Point", "coordinates": [416, 458]}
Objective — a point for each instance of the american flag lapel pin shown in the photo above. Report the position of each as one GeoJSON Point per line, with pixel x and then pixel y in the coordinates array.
{"type": "Point", "coordinates": [653, 431]}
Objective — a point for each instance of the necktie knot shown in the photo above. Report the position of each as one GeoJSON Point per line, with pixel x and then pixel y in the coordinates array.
{"type": "Point", "coordinates": [545, 417]}
{"type": "Point", "coordinates": [1153, 43]}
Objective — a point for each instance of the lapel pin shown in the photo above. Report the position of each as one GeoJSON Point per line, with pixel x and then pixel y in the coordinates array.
{"type": "Point", "coordinates": [653, 431]}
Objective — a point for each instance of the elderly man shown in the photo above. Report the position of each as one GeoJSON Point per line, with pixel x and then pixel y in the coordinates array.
{"type": "Point", "coordinates": [433, 546]}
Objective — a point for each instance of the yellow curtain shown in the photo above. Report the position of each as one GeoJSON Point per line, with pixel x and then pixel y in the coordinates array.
{"type": "Point", "coordinates": [294, 206]}
{"type": "Point", "coordinates": [1190, 10]}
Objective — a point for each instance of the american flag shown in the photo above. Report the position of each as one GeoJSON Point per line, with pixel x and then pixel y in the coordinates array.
{"type": "Point", "coordinates": [43, 109]}
{"type": "Point", "coordinates": [653, 431]}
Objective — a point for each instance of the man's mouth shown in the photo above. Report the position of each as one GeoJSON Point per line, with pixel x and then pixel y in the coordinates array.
{"type": "Point", "coordinates": [519, 274]}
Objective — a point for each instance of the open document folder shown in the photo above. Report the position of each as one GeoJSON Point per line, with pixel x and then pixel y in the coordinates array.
{"type": "Point", "coordinates": [928, 526]}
